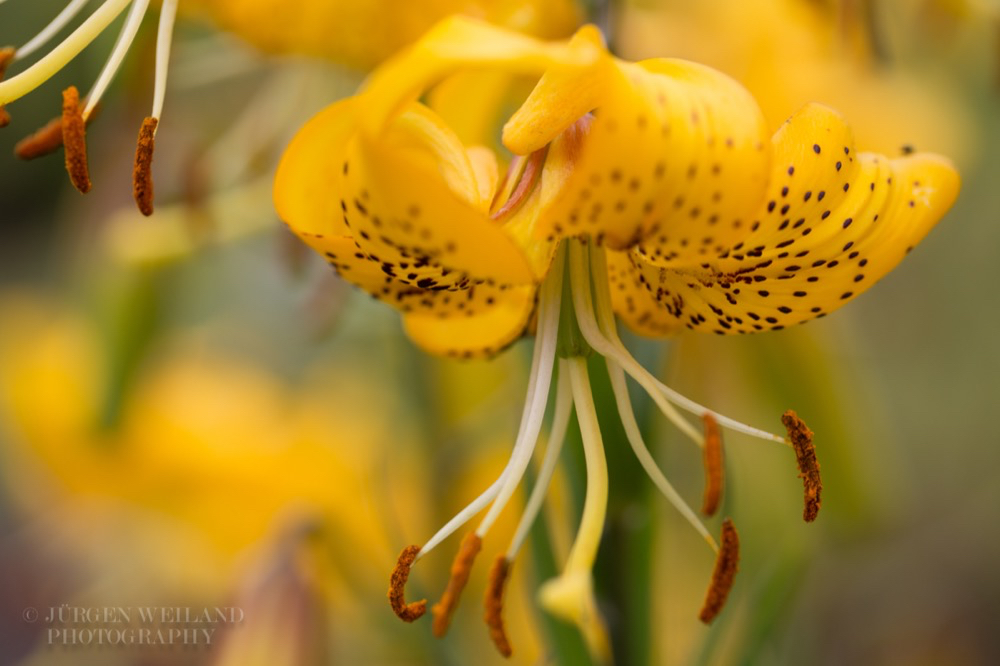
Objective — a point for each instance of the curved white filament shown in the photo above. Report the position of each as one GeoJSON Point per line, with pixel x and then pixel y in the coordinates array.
{"type": "Point", "coordinates": [557, 435]}
{"type": "Point", "coordinates": [20, 85]}
{"type": "Point", "coordinates": [583, 303]}
{"type": "Point", "coordinates": [122, 44]}
{"type": "Point", "coordinates": [68, 13]}
{"type": "Point", "coordinates": [548, 333]}
{"type": "Point", "coordinates": [164, 38]}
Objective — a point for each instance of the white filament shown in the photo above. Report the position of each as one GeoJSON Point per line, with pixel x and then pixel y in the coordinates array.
{"type": "Point", "coordinates": [606, 317]}
{"type": "Point", "coordinates": [122, 44]}
{"type": "Point", "coordinates": [557, 435]}
{"type": "Point", "coordinates": [582, 301]}
{"type": "Point", "coordinates": [68, 13]}
{"type": "Point", "coordinates": [548, 334]}
{"type": "Point", "coordinates": [164, 37]}
{"type": "Point", "coordinates": [537, 367]}
{"type": "Point", "coordinates": [645, 457]}
{"type": "Point", "coordinates": [20, 85]}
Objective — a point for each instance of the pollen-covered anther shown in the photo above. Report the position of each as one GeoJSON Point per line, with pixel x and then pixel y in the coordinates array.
{"type": "Point", "coordinates": [712, 456]}
{"type": "Point", "coordinates": [47, 139]}
{"type": "Point", "coordinates": [407, 612]}
{"type": "Point", "coordinates": [461, 567]}
{"type": "Point", "coordinates": [499, 573]}
{"type": "Point", "coordinates": [528, 172]}
{"type": "Point", "coordinates": [6, 55]}
{"type": "Point", "coordinates": [74, 137]}
{"type": "Point", "coordinates": [142, 170]}
{"type": "Point", "coordinates": [726, 565]}
{"type": "Point", "coordinates": [805, 455]}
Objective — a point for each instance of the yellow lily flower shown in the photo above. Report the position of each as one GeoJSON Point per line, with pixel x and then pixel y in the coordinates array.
{"type": "Point", "coordinates": [649, 190]}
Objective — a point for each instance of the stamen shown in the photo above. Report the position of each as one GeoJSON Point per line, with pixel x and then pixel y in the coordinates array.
{"type": "Point", "coordinates": [726, 566]}
{"type": "Point", "coordinates": [712, 456]}
{"type": "Point", "coordinates": [499, 573]}
{"type": "Point", "coordinates": [611, 346]}
{"type": "Point", "coordinates": [606, 316]}
{"type": "Point", "coordinates": [42, 142]}
{"type": "Point", "coordinates": [397, 587]}
{"type": "Point", "coordinates": [540, 365]}
{"type": "Point", "coordinates": [122, 45]}
{"type": "Point", "coordinates": [557, 435]}
{"type": "Point", "coordinates": [461, 567]}
{"type": "Point", "coordinates": [595, 502]}
{"type": "Point", "coordinates": [570, 595]}
{"type": "Point", "coordinates": [548, 330]}
{"type": "Point", "coordinates": [164, 37]}
{"type": "Point", "coordinates": [56, 59]}
{"type": "Point", "coordinates": [645, 458]}
{"type": "Point", "coordinates": [6, 57]}
{"type": "Point", "coordinates": [689, 405]}
{"type": "Point", "coordinates": [46, 140]}
{"type": "Point", "coordinates": [142, 172]}
{"type": "Point", "coordinates": [805, 455]}
{"type": "Point", "coordinates": [530, 171]}
{"type": "Point", "coordinates": [74, 135]}
{"type": "Point", "coordinates": [68, 13]}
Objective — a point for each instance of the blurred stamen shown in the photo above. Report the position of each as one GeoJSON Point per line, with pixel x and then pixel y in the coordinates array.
{"type": "Point", "coordinates": [499, 573]}
{"type": "Point", "coordinates": [726, 566]}
{"type": "Point", "coordinates": [712, 456]}
{"type": "Point", "coordinates": [461, 567]}
{"type": "Point", "coordinates": [6, 57]}
{"type": "Point", "coordinates": [45, 140]}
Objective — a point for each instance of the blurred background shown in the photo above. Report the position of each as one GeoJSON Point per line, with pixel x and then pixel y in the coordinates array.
{"type": "Point", "coordinates": [195, 413]}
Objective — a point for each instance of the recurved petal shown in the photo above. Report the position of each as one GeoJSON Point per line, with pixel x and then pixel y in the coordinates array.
{"type": "Point", "coordinates": [307, 186]}
{"type": "Point", "coordinates": [833, 224]}
{"type": "Point", "coordinates": [463, 320]}
{"type": "Point", "coordinates": [676, 155]}
{"type": "Point", "coordinates": [491, 321]}
{"type": "Point", "coordinates": [456, 44]}
{"type": "Point", "coordinates": [409, 201]}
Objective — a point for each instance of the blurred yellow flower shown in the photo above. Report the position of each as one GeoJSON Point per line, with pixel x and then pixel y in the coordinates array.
{"type": "Point", "coordinates": [791, 52]}
{"type": "Point", "coordinates": [365, 33]}
{"type": "Point", "coordinates": [220, 481]}
{"type": "Point", "coordinates": [654, 188]}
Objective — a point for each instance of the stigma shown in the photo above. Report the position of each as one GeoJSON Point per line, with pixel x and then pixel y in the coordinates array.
{"type": "Point", "coordinates": [69, 129]}
{"type": "Point", "coordinates": [575, 303]}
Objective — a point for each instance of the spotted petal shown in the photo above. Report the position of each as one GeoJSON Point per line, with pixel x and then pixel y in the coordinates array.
{"type": "Point", "coordinates": [464, 320]}
{"type": "Point", "coordinates": [676, 155]}
{"type": "Point", "coordinates": [834, 222]}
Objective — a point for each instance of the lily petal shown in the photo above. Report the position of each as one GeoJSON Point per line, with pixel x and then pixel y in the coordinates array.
{"type": "Point", "coordinates": [834, 223]}
{"type": "Point", "coordinates": [676, 154]}
{"type": "Point", "coordinates": [466, 320]}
